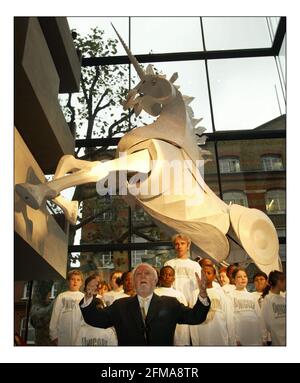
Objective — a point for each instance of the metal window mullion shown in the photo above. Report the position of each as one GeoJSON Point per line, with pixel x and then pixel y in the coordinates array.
{"type": "Point", "coordinates": [211, 111]}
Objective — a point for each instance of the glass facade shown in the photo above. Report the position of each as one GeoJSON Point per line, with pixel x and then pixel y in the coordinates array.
{"type": "Point", "coordinates": [240, 96]}
{"type": "Point", "coordinates": [192, 81]}
{"type": "Point", "coordinates": [246, 92]}
{"type": "Point", "coordinates": [236, 33]}
{"type": "Point", "coordinates": [165, 34]}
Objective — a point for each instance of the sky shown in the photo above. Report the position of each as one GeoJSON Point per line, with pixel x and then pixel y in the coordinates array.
{"type": "Point", "coordinates": [255, 7]}
{"type": "Point", "coordinates": [246, 92]}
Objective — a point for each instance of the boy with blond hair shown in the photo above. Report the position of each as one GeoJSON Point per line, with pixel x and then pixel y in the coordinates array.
{"type": "Point", "coordinates": [66, 315]}
{"type": "Point", "coordinates": [185, 268]}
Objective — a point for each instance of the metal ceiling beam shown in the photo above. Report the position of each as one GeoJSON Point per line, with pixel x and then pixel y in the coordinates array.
{"type": "Point", "coordinates": [198, 55]}
{"type": "Point", "coordinates": [96, 247]}
{"type": "Point", "coordinates": [160, 245]}
{"type": "Point", "coordinates": [218, 136]}
{"type": "Point", "coordinates": [179, 56]}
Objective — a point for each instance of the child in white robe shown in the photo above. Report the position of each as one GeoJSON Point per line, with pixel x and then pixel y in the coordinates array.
{"type": "Point", "coordinates": [274, 308]}
{"type": "Point", "coordinates": [248, 325]}
{"type": "Point", "coordinates": [217, 329]}
{"type": "Point", "coordinates": [117, 291]}
{"type": "Point", "coordinates": [166, 279]}
{"type": "Point", "coordinates": [66, 315]}
{"type": "Point", "coordinates": [185, 268]}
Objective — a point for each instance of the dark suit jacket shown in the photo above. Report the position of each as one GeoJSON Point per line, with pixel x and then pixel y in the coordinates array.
{"type": "Point", "coordinates": [158, 330]}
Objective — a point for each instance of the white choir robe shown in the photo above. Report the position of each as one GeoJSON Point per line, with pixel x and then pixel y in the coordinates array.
{"type": "Point", "coordinates": [218, 328]}
{"type": "Point", "coordinates": [94, 336]}
{"type": "Point", "coordinates": [248, 325]}
{"type": "Point", "coordinates": [274, 317]}
{"type": "Point", "coordinates": [66, 317]}
{"type": "Point", "coordinates": [185, 279]}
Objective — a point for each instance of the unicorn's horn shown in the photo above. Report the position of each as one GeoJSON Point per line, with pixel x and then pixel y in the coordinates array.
{"type": "Point", "coordinates": [133, 60]}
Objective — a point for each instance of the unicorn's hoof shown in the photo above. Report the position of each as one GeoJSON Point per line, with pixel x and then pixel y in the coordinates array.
{"type": "Point", "coordinates": [29, 193]}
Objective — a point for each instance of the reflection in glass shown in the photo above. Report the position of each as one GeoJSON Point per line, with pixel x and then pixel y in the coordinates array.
{"type": "Point", "coordinates": [105, 220]}
{"type": "Point", "coordinates": [272, 162]}
{"type": "Point", "coordinates": [236, 33]}
{"type": "Point", "coordinates": [229, 165]}
{"type": "Point", "coordinates": [253, 185]}
{"type": "Point", "coordinates": [154, 257]}
{"type": "Point", "coordinates": [30, 331]}
{"type": "Point", "coordinates": [237, 197]}
{"type": "Point", "coordinates": [282, 60]}
{"type": "Point", "coordinates": [210, 168]}
{"type": "Point", "coordinates": [144, 228]}
{"type": "Point", "coordinates": [165, 34]}
{"type": "Point", "coordinates": [275, 201]}
{"type": "Point", "coordinates": [273, 23]}
{"type": "Point", "coordinates": [245, 92]}
{"type": "Point", "coordinates": [103, 262]}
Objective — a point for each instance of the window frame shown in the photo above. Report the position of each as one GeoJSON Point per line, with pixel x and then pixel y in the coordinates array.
{"type": "Point", "coordinates": [236, 191]}
{"type": "Point", "coordinates": [229, 158]}
{"type": "Point", "coordinates": [277, 212]}
{"type": "Point", "coordinates": [271, 156]}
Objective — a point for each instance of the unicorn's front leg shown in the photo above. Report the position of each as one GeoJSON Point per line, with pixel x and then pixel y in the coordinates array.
{"type": "Point", "coordinates": [35, 195]}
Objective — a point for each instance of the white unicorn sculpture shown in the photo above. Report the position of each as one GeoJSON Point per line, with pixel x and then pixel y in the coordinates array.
{"type": "Point", "coordinates": [196, 212]}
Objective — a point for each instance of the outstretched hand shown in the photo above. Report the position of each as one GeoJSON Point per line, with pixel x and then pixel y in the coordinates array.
{"type": "Point", "coordinates": [92, 288]}
{"type": "Point", "coordinates": [202, 284]}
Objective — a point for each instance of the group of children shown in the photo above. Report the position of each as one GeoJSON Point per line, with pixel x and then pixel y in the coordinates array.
{"type": "Point", "coordinates": [236, 316]}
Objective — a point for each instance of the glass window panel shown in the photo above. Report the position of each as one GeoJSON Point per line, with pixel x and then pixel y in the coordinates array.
{"type": "Point", "coordinates": [110, 120]}
{"type": "Point", "coordinates": [30, 332]}
{"type": "Point", "coordinates": [83, 26]}
{"type": "Point", "coordinates": [144, 229]}
{"type": "Point", "coordinates": [229, 165]}
{"type": "Point", "coordinates": [275, 201]}
{"type": "Point", "coordinates": [252, 180]}
{"type": "Point", "coordinates": [273, 23]}
{"type": "Point", "coordinates": [106, 220]}
{"type": "Point", "coordinates": [236, 197]}
{"type": "Point", "coordinates": [54, 290]}
{"type": "Point", "coordinates": [272, 162]}
{"type": "Point", "coordinates": [165, 34]}
{"type": "Point", "coordinates": [210, 168]}
{"type": "Point", "coordinates": [244, 92]}
{"type": "Point", "coordinates": [282, 254]}
{"type": "Point", "coordinates": [103, 262]}
{"type": "Point", "coordinates": [282, 60]}
{"type": "Point", "coordinates": [236, 33]}
{"type": "Point", "coordinates": [154, 257]}
{"type": "Point", "coordinates": [192, 82]}
{"type": "Point", "coordinates": [26, 291]}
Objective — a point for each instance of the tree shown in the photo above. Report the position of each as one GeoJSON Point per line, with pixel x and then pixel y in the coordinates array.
{"type": "Point", "coordinates": [97, 111]}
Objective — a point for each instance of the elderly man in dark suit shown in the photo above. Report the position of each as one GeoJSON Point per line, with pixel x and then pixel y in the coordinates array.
{"type": "Point", "coordinates": [145, 319]}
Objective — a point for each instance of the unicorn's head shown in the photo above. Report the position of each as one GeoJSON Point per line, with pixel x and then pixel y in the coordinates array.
{"type": "Point", "coordinates": [152, 92]}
